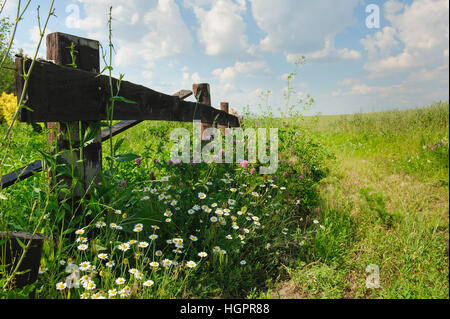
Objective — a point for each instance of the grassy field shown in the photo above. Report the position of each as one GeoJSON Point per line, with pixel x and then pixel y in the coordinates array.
{"type": "Point", "coordinates": [385, 203]}
{"type": "Point", "coordinates": [351, 191]}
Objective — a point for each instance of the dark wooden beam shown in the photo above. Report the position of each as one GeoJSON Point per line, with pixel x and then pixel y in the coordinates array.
{"type": "Point", "coordinates": [125, 125]}
{"type": "Point", "coordinates": [59, 93]}
{"type": "Point", "coordinates": [20, 174]}
{"type": "Point", "coordinates": [29, 170]}
{"type": "Point", "coordinates": [11, 252]}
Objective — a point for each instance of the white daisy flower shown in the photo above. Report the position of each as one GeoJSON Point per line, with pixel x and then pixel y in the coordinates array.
{"type": "Point", "coordinates": [124, 247]}
{"type": "Point", "coordinates": [100, 224]}
{"type": "Point", "coordinates": [102, 256]}
{"type": "Point", "coordinates": [82, 247]}
{"type": "Point", "coordinates": [143, 244]}
{"type": "Point", "coordinates": [89, 285]}
{"type": "Point", "coordinates": [61, 286]}
{"type": "Point", "coordinates": [112, 293]}
{"type": "Point", "coordinates": [98, 295]}
{"type": "Point", "coordinates": [167, 262]}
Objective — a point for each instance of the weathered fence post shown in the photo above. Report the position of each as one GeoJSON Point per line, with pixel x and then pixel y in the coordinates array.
{"type": "Point", "coordinates": [202, 94]}
{"type": "Point", "coordinates": [11, 252]}
{"type": "Point", "coordinates": [84, 54]}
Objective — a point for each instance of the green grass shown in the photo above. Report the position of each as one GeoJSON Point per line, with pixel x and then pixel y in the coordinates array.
{"type": "Point", "coordinates": [374, 191]}
{"type": "Point", "coordinates": [385, 202]}
{"type": "Point", "coordinates": [258, 234]}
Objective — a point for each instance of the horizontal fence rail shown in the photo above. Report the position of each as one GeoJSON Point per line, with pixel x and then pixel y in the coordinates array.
{"type": "Point", "coordinates": [86, 94]}
{"type": "Point", "coordinates": [36, 167]}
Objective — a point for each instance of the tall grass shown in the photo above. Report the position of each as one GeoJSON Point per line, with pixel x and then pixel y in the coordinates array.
{"type": "Point", "coordinates": [385, 202]}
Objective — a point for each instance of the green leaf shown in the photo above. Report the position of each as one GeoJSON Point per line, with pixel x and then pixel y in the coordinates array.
{"type": "Point", "coordinates": [68, 231]}
{"type": "Point", "coordinates": [118, 144]}
{"type": "Point", "coordinates": [122, 99]}
{"type": "Point", "coordinates": [21, 244]}
{"type": "Point", "coordinates": [1, 244]}
{"type": "Point", "coordinates": [106, 68]}
{"type": "Point", "coordinates": [3, 266]}
{"type": "Point", "coordinates": [91, 133]}
{"type": "Point", "coordinates": [99, 247]}
{"type": "Point", "coordinates": [123, 158]}
{"type": "Point", "coordinates": [26, 108]}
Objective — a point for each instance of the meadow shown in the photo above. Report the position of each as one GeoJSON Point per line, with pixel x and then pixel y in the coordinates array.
{"type": "Point", "coordinates": [350, 191]}
{"type": "Point", "coordinates": [384, 203]}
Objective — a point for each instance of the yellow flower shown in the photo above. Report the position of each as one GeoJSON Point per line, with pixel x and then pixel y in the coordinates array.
{"type": "Point", "coordinates": [8, 106]}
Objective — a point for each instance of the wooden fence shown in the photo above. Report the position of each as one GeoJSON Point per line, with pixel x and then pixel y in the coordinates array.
{"type": "Point", "coordinates": [63, 96]}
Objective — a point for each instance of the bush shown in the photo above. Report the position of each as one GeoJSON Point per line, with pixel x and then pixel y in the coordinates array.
{"type": "Point", "coordinates": [8, 106]}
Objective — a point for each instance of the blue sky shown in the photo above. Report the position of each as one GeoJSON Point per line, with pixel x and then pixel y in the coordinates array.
{"type": "Point", "coordinates": [246, 47]}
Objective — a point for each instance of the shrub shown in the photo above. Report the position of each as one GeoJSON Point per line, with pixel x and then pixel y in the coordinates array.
{"type": "Point", "coordinates": [8, 106]}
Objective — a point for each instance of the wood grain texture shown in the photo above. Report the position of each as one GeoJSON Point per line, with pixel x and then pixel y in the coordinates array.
{"type": "Point", "coordinates": [29, 170]}
{"type": "Point", "coordinates": [58, 93]}
{"type": "Point", "coordinates": [84, 54]}
{"type": "Point", "coordinates": [126, 124]}
{"type": "Point", "coordinates": [20, 174]}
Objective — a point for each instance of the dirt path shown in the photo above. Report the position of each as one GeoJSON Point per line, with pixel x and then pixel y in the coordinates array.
{"type": "Point", "coordinates": [401, 225]}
